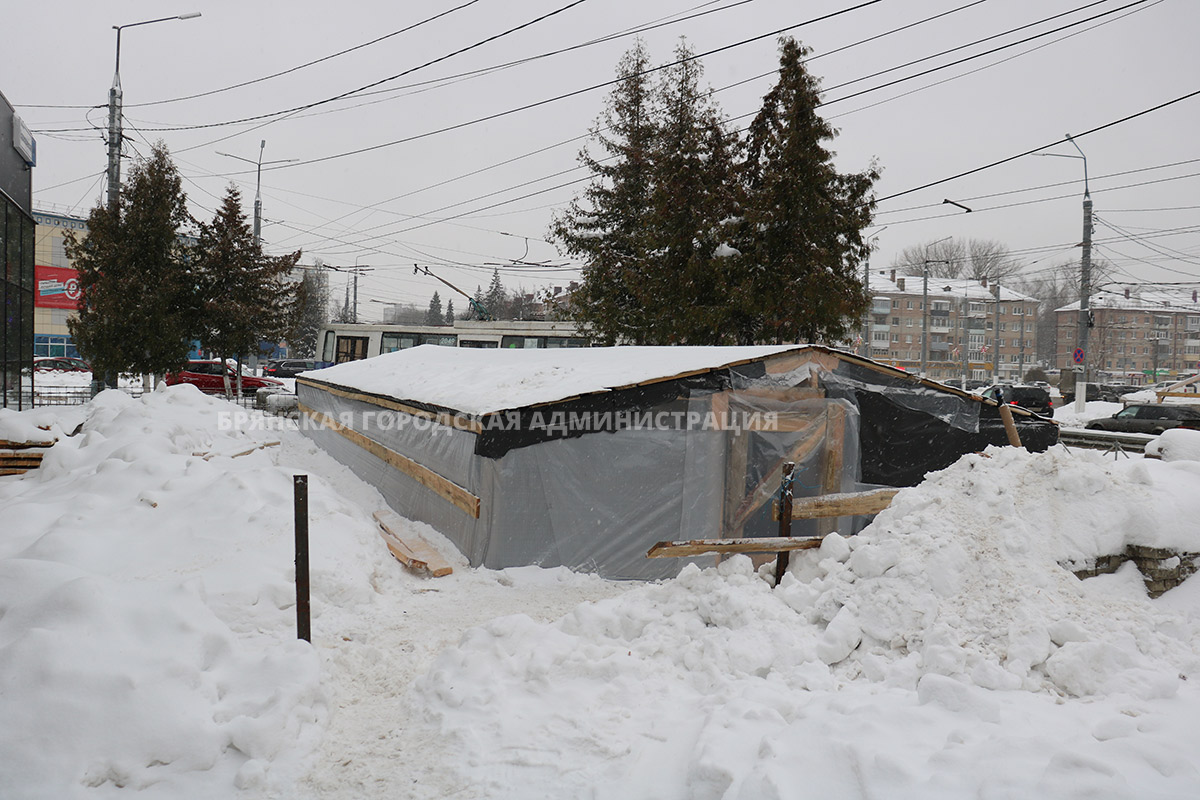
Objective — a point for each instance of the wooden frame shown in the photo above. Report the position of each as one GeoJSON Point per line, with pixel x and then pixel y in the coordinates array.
{"type": "Point", "coordinates": [446, 488]}
{"type": "Point", "coordinates": [699, 547]}
{"type": "Point", "coordinates": [459, 421]}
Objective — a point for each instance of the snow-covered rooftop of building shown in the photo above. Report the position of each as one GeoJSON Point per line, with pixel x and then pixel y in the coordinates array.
{"type": "Point", "coordinates": [882, 282]}
{"type": "Point", "coordinates": [485, 381]}
{"type": "Point", "coordinates": [1160, 301]}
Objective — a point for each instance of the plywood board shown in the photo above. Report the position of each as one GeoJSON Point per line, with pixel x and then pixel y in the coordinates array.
{"type": "Point", "coordinates": [410, 550]}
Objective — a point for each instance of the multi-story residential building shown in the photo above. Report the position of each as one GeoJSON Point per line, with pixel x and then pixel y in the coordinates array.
{"type": "Point", "coordinates": [981, 331]}
{"type": "Point", "coordinates": [1140, 337]}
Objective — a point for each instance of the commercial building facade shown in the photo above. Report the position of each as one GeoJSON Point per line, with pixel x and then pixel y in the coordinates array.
{"type": "Point", "coordinates": [1135, 337]}
{"type": "Point", "coordinates": [17, 159]}
{"type": "Point", "coordinates": [56, 289]}
{"type": "Point", "coordinates": [975, 330]}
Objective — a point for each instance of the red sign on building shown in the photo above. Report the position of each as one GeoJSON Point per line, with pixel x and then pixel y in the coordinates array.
{"type": "Point", "coordinates": [56, 287]}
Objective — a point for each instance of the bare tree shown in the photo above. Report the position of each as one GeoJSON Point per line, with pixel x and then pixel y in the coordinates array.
{"type": "Point", "coordinates": [955, 258]}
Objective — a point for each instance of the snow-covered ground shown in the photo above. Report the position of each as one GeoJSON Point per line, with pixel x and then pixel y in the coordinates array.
{"type": "Point", "coordinates": [147, 638]}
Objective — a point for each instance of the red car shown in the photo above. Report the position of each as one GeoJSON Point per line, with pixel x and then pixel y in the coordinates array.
{"type": "Point", "coordinates": [208, 376]}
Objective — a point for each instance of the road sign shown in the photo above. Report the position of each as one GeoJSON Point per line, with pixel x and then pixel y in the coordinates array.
{"type": "Point", "coordinates": [1078, 355]}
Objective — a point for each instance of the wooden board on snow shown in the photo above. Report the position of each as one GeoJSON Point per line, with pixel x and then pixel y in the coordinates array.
{"type": "Point", "coordinates": [412, 551]}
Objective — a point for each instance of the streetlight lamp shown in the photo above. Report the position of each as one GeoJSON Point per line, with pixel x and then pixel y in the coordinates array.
{"type": "Point", "coordinates": [1085, 279]}
{"type": "Point", "coordinates": [258, 184]}
{"type": "Point", "coordinates": [114, 115]}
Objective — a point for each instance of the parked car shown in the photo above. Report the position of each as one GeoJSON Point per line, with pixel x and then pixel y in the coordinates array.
{"type": "Point", "coordinates": [60, 364]}
{"type": "Point", "coordinates": [1148, 418]}
{"type": "Point", "coordinates": [1035, 398]}
{"type": "Point", "coordinates": [208, 376]}
{"type": "Point", "coordinates": [289, 367]}
{"type": "Point", "coordinates": [1094, 394]}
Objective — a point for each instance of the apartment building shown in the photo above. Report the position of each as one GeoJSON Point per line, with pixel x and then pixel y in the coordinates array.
{"type": "Point", "coordinates": [980, 331]}
{"type": "Point", "coordinates": [1135, 337]}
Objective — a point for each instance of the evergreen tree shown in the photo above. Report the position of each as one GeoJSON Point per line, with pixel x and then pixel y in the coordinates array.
{"type": "Point", "coordinates": [138, 307]}
{"type": "Point", "coordinates": [475, 312]}
{"type": "Point", "coordinates": [693, 192]}
{"type": "Point", "coordinates": [496, 299]}
{"type": "Point", "coordinates": [434, 315]}
{"type": "Point", "coordinates": [608, 227]}
{"type": "Point", "coordinates": [313, 298]}
{"type": "Point", "coordinates": [801, 240]}
{"type": "Point", "coordinates": [247, 297]}
{"type": "Point", "coordinates": [450, 311]}
{"type": "Point", "coordinates": [345, 313]}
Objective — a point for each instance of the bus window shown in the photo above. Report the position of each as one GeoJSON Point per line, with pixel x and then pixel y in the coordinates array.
{"type": "Point", "coordinates": [479, 343]}
{"type": "Point", "coordinates": [440, 339]}
{"type": "Point", "coordinates": [351, 348]}
{"type": "Point", "coordinates": [327, 350]}
{"type": "Point", "coordinates": [519, 342]}
{"type": "Point", "coordinates": [391, 342]}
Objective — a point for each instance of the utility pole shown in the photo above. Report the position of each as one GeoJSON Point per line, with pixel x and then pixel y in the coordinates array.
{"type": "Point", "coordinates": [115, 99]}
{"type": "Point", "coordinates": [258, 184]}
{"type": "Point", "coordinates": [925, 311]}
{"type": "Point", "coordinates": [996, 338]}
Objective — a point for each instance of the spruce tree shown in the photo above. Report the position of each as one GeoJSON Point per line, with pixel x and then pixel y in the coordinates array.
{"type": "Point", "coordinates": [433, 316]}
{"type": "Point", "coordinates": [450, 311]}
{"type": "Point", "coordinates": [801, 242]}
{"type": "Point", "coordinates": [692, 194]}
{"type": "Point", "coordinates": [607, 228]}
{"type": "Point", "coordinates": [137, 312]}
{"type": "Point", "coordinates": [313, 297]}
{"type": "Point", "coordinates": [247, 296]}
{"type": "Point", "coordinates": [496, 299]}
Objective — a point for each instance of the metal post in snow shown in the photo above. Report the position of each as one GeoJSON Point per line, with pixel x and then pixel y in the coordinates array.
{"type": "Point", "coordinates": [785, 518]}
{"type": "Point", "coordinates": [303, 614]}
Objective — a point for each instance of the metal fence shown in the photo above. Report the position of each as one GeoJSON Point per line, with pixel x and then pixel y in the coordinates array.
{"type": "Point", "coordinates": [73, 396]}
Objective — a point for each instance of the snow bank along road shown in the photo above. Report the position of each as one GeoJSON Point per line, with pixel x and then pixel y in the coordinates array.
{"type": "Point", "coordinates": [147, 639]}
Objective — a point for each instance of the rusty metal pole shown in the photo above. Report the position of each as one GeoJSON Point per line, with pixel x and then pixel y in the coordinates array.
{"type": "Point", "coordinates": [303, 616]}
{"type": "Point", "coordinates": [785, 518]}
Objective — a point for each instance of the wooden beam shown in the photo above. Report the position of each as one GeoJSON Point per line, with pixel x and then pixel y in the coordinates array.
{"type": "Point", "coordinates": [412, 551]}
{"type": "Point", "coordinates": [7, 445]}
{"type": "Point", "coordinates": [422, 474]}
{"type": "Point", "coordinates": [441, 417]}
{"type": "Point", "coordinates": [699, 547]}
{"type": "Point", "coordinates": [846, 504]}
{"type": "Point", "coordinates": [834, 463]}
{"type": "Point", "coordinates": [1010, 428]}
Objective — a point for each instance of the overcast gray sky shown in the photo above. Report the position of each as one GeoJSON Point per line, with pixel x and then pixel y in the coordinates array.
{"type": "Point", "coordinates": [375, 182]}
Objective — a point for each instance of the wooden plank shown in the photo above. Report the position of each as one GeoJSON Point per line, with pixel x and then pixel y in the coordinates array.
{"type": "Point", "coordinates": [459, 421]}
{"type": "Point", "coordinates": [412, 550]}
{"type": "Point", "coordinates": [5, 444]}
{"type": "Point", "coordinates": [446, 488]}
{"type": "Point", "coordinates": [846, 504]}
{"type": "Point", "coordinates": [699, 547]}
{"type": "Point", "coordinates": [834, 462]}
{"type": "Point", "coordinates": [24, 462]}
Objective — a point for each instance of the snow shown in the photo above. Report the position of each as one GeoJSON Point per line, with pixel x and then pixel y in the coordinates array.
{"type": "Point", "coordinates": [516, 378]}
{"type": "Point", "coordinates": [1176, 444]}
{"type": "Point", "coordinates": [147, 638]}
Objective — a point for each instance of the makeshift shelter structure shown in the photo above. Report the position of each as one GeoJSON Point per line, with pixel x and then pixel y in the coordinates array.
{"type": "Point", "coordinates": [587, 457]}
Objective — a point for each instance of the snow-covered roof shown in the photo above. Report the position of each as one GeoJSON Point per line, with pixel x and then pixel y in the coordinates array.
{"type": "Point", "coordinates": [1161, 302]}
{"type": "Point", "coordinates": [480, 382]}
{"type": "Point", "coordinates": [940, 288]}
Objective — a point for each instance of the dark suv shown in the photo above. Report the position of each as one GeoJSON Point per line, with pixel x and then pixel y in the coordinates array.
{"type": "Point", "coordinates": [1035, 398]}
{"type": "Point", "coordinates": [1148, 418]}
{"type": "Point", "coordinates": [288, 367]}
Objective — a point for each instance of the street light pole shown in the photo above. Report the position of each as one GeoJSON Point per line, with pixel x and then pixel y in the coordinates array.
{"type": "Point", "coordinates": [115, 98]}
{"type": "Point", "coordinates": [1085, 279]}
{"type": "Point", "coordinates": [258, 184]}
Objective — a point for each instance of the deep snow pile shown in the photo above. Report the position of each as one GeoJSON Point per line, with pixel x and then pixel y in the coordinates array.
{"type": "Point", "coordinates": [146, 637]}
{"type": "Point", "coordinates": [952, 606]}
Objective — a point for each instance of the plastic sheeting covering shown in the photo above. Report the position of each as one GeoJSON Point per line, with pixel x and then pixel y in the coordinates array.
{"type": "Point", "coordinates": [592, 482]}
{"type": "Point", "coordinates": [705, 465]}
